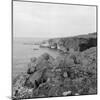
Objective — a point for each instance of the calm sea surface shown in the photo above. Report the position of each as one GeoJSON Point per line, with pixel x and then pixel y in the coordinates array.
{"type": "Point", "coordinates": [23, 50]}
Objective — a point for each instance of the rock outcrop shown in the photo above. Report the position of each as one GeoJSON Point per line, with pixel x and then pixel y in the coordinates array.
{"type": "Point", "coordinates": [74, 73]}
{"type": "Point", "coordinates": [77, 43]}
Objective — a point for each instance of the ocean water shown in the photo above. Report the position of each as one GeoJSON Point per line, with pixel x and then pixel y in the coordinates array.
{"type": "Point", "coordinates": [24, 49]}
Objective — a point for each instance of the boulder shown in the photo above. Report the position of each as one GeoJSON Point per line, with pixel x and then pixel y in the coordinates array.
{"type": "Point", "coordinates": [66, 93]}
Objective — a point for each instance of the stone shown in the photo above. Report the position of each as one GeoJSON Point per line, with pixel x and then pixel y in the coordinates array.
{"type": "Point", "coordinates": [66, 93]}
{"type": "Point", "coordinates": [65, 74]}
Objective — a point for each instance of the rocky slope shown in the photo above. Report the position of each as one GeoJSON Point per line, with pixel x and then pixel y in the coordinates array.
{"type": "Point", "coordinates": [73, 73]}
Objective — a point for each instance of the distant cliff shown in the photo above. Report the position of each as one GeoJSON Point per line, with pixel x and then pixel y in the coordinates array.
{"type": "Point", "coordinates": [76, 43]}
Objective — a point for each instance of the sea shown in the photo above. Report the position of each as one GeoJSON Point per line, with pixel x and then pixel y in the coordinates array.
{"type": "Point", "coordinates": [24, 49]}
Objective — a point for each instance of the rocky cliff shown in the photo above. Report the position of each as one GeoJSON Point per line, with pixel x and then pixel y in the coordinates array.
{"type": "Point", "coordinates": [78, 43]}
{"type": "Point", "coordinates": [73, 73]}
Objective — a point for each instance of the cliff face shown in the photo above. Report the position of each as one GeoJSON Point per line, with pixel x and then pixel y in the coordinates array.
{"type": "Point", "coordinates": [78, 43]}
{"type": "Point", "coordinates": [74, 73]}
{"type": "Point", "coordinates": [66, 75]}
{"type": "Point", "coordinates": [90, 42]}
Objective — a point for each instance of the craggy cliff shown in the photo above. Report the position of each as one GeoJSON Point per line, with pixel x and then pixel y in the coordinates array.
{"type": "Point", "coordinates": [72, 73]}
{"type": "Point", "coordinates": [77, 43]}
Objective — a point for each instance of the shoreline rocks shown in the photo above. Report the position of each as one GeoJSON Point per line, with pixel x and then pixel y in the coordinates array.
{"type": "Point", "coordinates": [70, 74]}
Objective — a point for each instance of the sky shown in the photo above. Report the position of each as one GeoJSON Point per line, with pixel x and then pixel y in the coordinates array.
{"type": "Point", "coordinates": [44, 20]}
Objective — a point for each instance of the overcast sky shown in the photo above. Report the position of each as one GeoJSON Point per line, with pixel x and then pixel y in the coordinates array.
{"type": "Point", "coordinates": [52, 20]}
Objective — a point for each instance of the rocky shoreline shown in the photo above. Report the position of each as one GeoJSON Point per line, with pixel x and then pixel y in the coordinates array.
{"type": "Point", "coordinates": [72, 73]}
{"type": "Point", "coordinates": [77, 43]}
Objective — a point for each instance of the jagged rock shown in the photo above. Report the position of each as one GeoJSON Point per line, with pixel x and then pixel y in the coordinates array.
{"type": "Point", "coordinates": [18, 86]}
{"type": "Point", "coordinates": [35, 77]}
{"type": "Point", "coordinates": [73, 73]}
{"type": "Point", "coordinates": [24, 93]}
